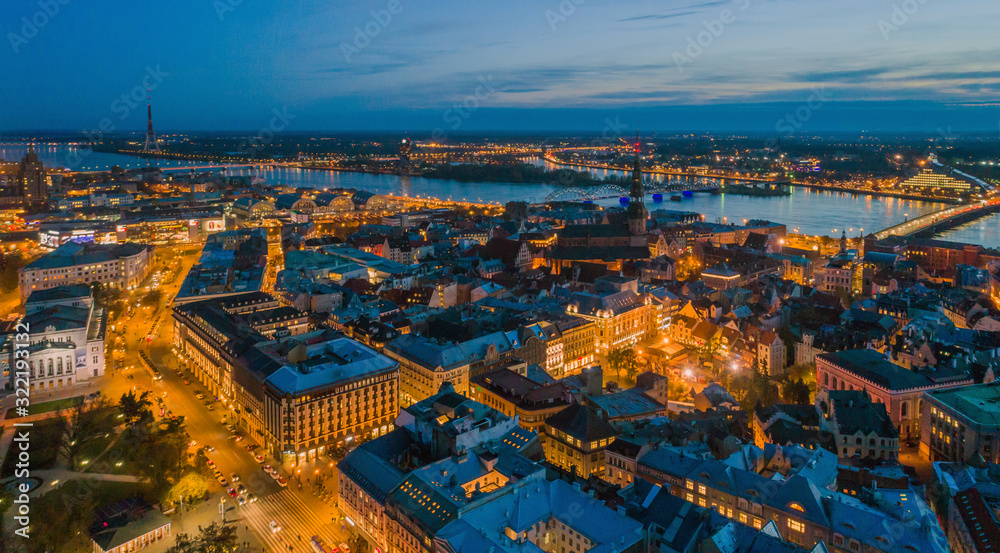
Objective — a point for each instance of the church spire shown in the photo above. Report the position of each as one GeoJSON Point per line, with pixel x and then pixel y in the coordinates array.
{"type": "Point", "coordinates": [637, 213]}
{"type": "Point", "coordinates": [636, 192]}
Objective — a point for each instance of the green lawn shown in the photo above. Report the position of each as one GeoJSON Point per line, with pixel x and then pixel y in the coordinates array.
{"type": "Point", "coordinates": [47, 406]}
{"type": "Point", "coordinates": [43, 448]}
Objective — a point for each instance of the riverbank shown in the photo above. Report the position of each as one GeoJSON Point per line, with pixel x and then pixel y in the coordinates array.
{"type": "Point", "coordinates": [799, 184]}
{"type": "Point", "coordinates": [756, 191]}
{"type": "Point", "coordinates": [875, 193]}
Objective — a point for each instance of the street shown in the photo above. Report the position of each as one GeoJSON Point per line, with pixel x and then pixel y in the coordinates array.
{"type": "Point", "coordinates": [298, 513]}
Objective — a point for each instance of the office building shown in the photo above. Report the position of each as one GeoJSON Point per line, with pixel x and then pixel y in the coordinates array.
{"type": "Point", "coordinates": [121, 265]}
{"type": "Point", "coordinates": [962, 424]}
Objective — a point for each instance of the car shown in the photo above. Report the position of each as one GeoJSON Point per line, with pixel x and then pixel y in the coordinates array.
{"type": "Point", "coordinates": [223, 481]}
{"type": "Point", "coordinates": [187, 382]}
{"type": "Point", "coordinates": [345, 548]}
{"type": "Point", "coordinates": [282, 482]}
{"type": "Point", "coordinates": [267, 468]}
{"type": "Point", "coordinates": [275, 527]}
{"type": "Point", "coordinates": [211, 408]}
{"type": "Point", "coordinates": [238, 438]}
{"type": "Point", "coordinates": [251, 498]}
{"type": "Point", "coordinates": [231, 492]}
{"type": "Point", "coordinates": [235, 477]}
{"type": "Point", "coordinates": [192, 443]}
{"type": "Point", "coordinates": [211, 463]}
{"type": "Point", "coordinates": [258, 457]}
{"type": "Point", "coordinates": [241, 500]}
{"type": "Point", "coordinates": [209, 447]}
{"type": "Point", "coordinates": [241, 489]}
{"type": "Point", "coordinates": [200, 395]}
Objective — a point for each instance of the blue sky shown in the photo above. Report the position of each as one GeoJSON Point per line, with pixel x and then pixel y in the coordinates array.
{"type": "Point", "coordinates": [512, 64]}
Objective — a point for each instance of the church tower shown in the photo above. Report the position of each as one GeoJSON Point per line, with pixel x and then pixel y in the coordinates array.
{"type": "Point", "coordinates": [843, 243]}
{"type": "Point", "coordinates": [637, 213]}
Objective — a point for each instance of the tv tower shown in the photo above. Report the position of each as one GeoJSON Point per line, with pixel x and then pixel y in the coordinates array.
{"type": "Point", "coordinates": [152, 144]}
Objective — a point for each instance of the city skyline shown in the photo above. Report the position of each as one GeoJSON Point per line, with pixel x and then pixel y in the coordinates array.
{"type": "Point", "coordinates": [696, 66]}
{"type": "Point", "coordinates": [551, 276]}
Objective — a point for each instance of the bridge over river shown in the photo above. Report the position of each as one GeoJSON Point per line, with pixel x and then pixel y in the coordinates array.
{"type": "Point", "coordinates": [940, 221]}
{"type": "Point", "coordinates": [621, 191]}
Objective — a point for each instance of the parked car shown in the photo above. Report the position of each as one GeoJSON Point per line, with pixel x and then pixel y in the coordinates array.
{"type": "Point", "coordinates": [235, 477]}
{"type": "Point", "coordinates": [241, 500]}
{"type": "Point", "coordinates": [231, 492]}
{"type": "Point", "coordinates": [282, 482]}
{"type": "Point", "coordinates": [251, 498]}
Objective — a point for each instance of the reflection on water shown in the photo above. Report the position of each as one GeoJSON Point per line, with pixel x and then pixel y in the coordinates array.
{"type": "Point", "coordinates": [985, 231]}
{"type": "Point", "coordinates": [806, 211]}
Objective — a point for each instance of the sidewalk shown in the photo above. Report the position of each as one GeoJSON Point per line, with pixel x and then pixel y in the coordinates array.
{"type": "Point", "coordinates": [206, 513]}
{"type": "Point", "coordinates": [53, 478]}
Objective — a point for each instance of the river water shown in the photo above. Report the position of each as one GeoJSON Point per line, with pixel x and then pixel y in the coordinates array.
{"type": "Point", "coordinates": [806, 211]}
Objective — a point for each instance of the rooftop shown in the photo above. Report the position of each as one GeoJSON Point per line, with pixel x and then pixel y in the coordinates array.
{"type": "Point", "coordinates": [979, 403]}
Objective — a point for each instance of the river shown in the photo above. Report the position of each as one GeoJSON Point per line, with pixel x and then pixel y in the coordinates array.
{"type": "Point", "coordinates": [806, 211]}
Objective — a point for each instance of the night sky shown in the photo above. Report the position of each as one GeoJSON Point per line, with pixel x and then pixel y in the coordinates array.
{"type": "Point", "coordinates": [850, 65]}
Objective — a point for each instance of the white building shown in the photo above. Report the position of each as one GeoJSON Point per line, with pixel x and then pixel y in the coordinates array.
{"type": "Point", "coordinates": [66, 331]}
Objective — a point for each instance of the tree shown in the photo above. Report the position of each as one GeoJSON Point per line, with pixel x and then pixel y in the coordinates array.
{"type": "Point", "coordinates": [751, 387]}
{"type": "Point", "coordinates": [710, 348]}
{"type": "Point", "coordinates": [136, 409]}
{"type": "Point", "coordinates": [82, 424]}
{"type": "Point", "coordinates": [153, 298]}
{"type": "Point", "coordinates": [192, 487]}
{"type": "Point", "coordinates": [164, 455]}
{"type": "Point", "coordinates": [215, 538]}
{"type": "Point", "coordinates": [630, 363]}
{"type": "Point", "coordinates": [616, 358]}
{"type": "Point", "coordinates": [795, 391]}
{"type": "Point", "coordinates": [688, 268]}
{"type": "Point", "coordinates": [9, 265]}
